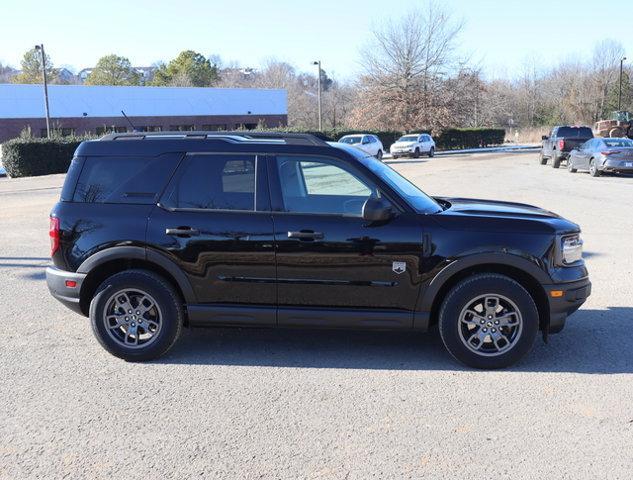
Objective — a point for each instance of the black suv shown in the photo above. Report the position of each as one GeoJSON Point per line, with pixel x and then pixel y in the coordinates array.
{"type": "Point", "coordinates": [154, 232]}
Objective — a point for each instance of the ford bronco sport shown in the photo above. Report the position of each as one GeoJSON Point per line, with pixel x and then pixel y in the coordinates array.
{"type": "Point", "coordinates": [156, 232]}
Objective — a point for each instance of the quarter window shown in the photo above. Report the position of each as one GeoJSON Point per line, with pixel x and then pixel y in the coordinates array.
{"type": "Point", "coordinates": [326, 186]}
{"type": "Point", "coordinates": [213, 182]}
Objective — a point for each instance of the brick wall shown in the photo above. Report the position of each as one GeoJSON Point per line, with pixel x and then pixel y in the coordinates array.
{"type": "Point", "coordinates": [11, 127]}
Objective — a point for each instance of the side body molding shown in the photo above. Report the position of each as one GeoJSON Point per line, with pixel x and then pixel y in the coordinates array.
{"type": "Point", "coordinates": [140, 253]}
{"type": "Point", "coordinates": [425, 303]}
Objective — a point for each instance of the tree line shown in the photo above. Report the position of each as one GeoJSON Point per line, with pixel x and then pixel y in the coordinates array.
{"type": "Point", "coordinates": [412, 77]}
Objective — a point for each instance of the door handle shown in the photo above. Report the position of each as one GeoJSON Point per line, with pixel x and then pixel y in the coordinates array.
{"type": "Point", "coordinates": [306, 235]}
{"type": "Point", "coordinates": [182, 231]}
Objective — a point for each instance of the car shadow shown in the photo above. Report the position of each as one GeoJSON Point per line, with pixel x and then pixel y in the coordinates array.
{"type": "Point", "coordinates": [390, 161]}
{"type": "Point", "coordinates": [594, 341]}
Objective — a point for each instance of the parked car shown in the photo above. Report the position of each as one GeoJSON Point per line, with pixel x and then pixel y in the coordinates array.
{"type": "Point", "coordinates": [157, 231]}
{"type": "Point", "coordinates": [561, 141]}
{"type": "Point", "coordinates": [413, 145]}
{"type": "Point", "coordinates": [598, 155]}
{"type": "Point", "coordinates": [367, 143]}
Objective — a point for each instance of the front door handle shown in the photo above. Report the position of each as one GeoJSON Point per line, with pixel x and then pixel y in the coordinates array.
{"type": "Point", "coordinates": [182, 231]}
{"type": "Point", "coordinates": [306, 235]}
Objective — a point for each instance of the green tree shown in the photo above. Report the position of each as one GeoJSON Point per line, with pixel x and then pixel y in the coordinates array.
{"type": "Point", "coordinates": [32, 68]}
{"type": "Point", "coordinates": [113, 70]}
{"type": "Point", "coordinates": [188, 69]}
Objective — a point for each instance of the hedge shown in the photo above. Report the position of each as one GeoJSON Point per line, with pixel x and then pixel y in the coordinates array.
{"type": "Point", "coordinates": [449, 139]}
{"type": "Point", "coordinates": [28, 157]}
{"type": "Point", "coordinates": [24, 157]}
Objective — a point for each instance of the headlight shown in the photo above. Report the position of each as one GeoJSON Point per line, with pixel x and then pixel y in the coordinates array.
{"type": "Point", "coordinates": [571, 249]}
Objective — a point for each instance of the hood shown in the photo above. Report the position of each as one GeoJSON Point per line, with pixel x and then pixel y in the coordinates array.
{"type": "Point", "coordinates": [508, 213]}
{"type": "Point", "coordinates": [472, 206]}
{"type": "Point", "coordinates": [403, 144]}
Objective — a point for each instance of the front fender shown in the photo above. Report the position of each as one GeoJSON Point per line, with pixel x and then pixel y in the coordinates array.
{"type": "Point", "coordinates": [429, 294]}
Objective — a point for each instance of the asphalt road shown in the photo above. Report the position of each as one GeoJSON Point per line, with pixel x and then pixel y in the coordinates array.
{"type": "Point", "coordinates": [334, 405]}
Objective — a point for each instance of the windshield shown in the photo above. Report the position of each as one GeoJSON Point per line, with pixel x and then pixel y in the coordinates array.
{"type": "Point", "coordinates": [618, 142]}
{"type": "Point", "coordinates": [350, 140]}
{"type": "Point", "coordinates": [408, 138]}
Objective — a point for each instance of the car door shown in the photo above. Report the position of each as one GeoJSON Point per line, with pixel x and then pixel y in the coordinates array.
{"type": "Point", "coordinates": [581, 158]}
{"type": "Point", "coordinates": [366, 144]}
{"type": "Point", "coordinates": [214, 222]}
{"type": "Point", "coordinates": [333, 267]}
{"type": "Point", "coordinates": [548, 148]}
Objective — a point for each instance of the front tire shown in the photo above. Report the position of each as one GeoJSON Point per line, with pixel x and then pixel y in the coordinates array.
{"type": "Point", "coordinates": [542, 159]}
{"type": "Point", "coordinates": [416, 153]}
{"type": "Point", "coordinates": [432, 152]}
{"type": "Point", "coordinates": [379, 155]}
{"type": "Point", "coordinates": [570, 166]}
{"type": "Point", "coordinates": [136, 315]}
{"type": "Point", "coordinates": [488, 321]}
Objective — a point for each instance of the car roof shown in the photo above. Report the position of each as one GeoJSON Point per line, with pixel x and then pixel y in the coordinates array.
{"type": "Point", "coordinates": [155, 143]}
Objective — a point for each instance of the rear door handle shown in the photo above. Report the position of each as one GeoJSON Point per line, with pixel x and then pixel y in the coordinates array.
{"type": "Point", "coordinates": [182, 231]}
{"type": "Point", "coordinates": [306, 235]}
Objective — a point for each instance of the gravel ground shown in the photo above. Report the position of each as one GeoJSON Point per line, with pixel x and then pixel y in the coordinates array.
{"type": "Point", "coordinates": [302, 404]}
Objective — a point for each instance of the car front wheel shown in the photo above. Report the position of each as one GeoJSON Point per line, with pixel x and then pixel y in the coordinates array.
{"type": "Point", "coordinates": [136, 315]}
{"type": "Point", "coordinates": [416, 153]}
{"type": "Point", "coordinates": [431, 152]}
{"type": "Point", "coordinates": [542, 159]}
{"type": "Point", "coordinates": [379, 155]}
{"type": "Point", "coordinates": [488, 321]}
{"type": "Point", "coordinates": [570, 166]}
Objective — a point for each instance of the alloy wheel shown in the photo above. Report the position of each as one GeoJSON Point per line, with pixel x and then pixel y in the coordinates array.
{"type": "Point", "coordinates": [490, 325]}
{"type": "Point", "coordinates": [132, 318]}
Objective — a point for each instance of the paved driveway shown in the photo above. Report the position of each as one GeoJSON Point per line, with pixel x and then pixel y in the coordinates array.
{"type": "Point", "coordinates": [303, 404]}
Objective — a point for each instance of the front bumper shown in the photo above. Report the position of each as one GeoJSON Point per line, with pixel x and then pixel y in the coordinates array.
{"type": "Point", "coordinates": [560, 307]}
{"type": "Point", "coordinates": [57, 279]}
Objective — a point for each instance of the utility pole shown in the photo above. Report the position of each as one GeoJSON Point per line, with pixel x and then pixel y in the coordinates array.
{"type": "Point", "coordinates": [620, 89]}
{"type": "Point", "coordinates": [40, 48]}
{"type": "Point", "coordinates": [318, 63]}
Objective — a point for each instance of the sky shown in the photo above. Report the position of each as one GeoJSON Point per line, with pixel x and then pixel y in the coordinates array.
{"type": "Point", "coordinates": [498, 35]}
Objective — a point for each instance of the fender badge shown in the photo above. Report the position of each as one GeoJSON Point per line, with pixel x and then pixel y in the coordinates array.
{"type": "Point", "coordinates": [399, 267]}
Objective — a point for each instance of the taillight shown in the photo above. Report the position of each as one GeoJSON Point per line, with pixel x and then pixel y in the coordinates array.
{"type": "Point", "coordinates": [561, 144]}
{"type": "Point", "coordinates": [53, 232]}
{"type": "Point", "coordinates": [611, 152]}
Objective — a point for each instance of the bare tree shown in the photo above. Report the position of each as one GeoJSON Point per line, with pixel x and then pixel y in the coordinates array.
{"type": "Point", "coordinates": [405, 66]}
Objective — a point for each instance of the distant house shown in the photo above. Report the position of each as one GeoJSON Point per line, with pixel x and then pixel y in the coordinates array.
{"type": "Point", "coordinates": [66, 76]}
{"type": "Point", "coordinates": [146, 73]}
{"type": "Point", "coordinates": [82, 109]}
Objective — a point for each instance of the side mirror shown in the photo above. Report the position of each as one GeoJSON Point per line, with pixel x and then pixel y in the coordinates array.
{"type": "Point", "coordinates": [544, 137]}
{"type": "Point", "coordinates": [377, 210]}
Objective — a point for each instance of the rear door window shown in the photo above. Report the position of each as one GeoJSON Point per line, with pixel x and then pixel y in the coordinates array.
{"type": "Point", "coordinates": [213, 182]}
{"type": "Point", "coordinates": [135, 180]}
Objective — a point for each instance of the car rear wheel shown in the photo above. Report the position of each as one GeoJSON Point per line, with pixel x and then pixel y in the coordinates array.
{"type": "Point", "coordinates": [593, 168]}
{"type": "Point", "coordinates": [379, 155]}
{"type": "Point", "coordinates": [488, 321]}
{"type": "Point", "coordinates": [555, 161]}
{"type": "Point", "coordinates": [570, 166]}
{"type": "Point", "coordinates": [136, 315]}
{"type": "Point", "coordinates": [432, 152]}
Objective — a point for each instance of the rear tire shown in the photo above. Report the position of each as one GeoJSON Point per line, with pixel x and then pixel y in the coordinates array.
{"type": "Point", "coordinates": [555, 160]}
{"type": "Point", "coordinates": [136, 315]}
{"type": "Point", "coordinates": [593, 168]}
{"type": "Point", "coordinates": [379, 155]}
{"type": "Point", "coordinates": [488, 321]}
{"type": "Point", "coordinates": [432, 152]}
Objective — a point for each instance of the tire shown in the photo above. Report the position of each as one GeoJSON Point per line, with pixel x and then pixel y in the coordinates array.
{"type": "Point", "coordinates": [379, 155]}
{"type": "Point", "coordinates": [542, 159]}
{"type": "Point", "coordinates": [555, 160]}
{"type": "Point", "coordinates": [163, 320]}
{"type": "Point", "coordinates": [432, 152]}
{"type": "Point", "coordinates": [570, 166]}
{"type": "Point", "coordinates": [416, 153]}
{"type": "Point", "coordinates": [593, 169]}
{"type": "Point", "coordinates": [457, 325]}
{"type": "Point", "coordinates": [616, 132]}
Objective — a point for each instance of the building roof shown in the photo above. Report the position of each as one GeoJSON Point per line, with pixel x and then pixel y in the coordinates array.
{"type": "Point", "coordinates": [67, 101]}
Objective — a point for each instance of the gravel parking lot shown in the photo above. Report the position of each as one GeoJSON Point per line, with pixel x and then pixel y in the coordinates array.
{"type": "Point", "coordinates": [303, 404]}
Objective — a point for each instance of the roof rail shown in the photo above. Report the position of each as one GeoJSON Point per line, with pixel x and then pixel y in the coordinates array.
{"type": "Point", "coordinates": [239, 136]}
